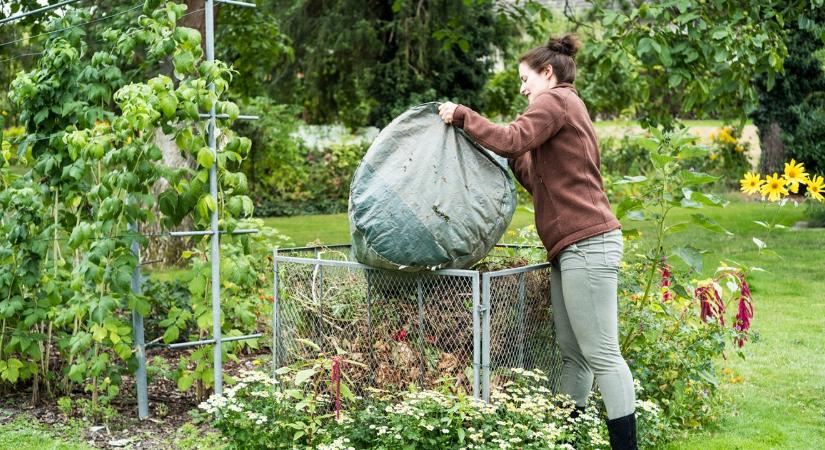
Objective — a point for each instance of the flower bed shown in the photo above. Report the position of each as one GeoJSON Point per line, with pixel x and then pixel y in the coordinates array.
{"type": "Point", "coordinates": [295, 411]}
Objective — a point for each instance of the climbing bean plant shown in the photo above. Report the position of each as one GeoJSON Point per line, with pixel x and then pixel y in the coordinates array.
{"type": "Point", "coordinates": [92, 161]}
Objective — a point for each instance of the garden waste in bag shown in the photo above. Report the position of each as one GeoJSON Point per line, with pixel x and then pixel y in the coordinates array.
{"type": "Point", "coordinates": [426, 196]}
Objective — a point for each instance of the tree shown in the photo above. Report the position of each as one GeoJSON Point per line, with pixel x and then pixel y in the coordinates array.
{"type": "Point", "coordinates": [364, 62]}
{"type": "Point", "coordinates": [684, 57]}
{"type": "Point", "coordinates": [795, 98]}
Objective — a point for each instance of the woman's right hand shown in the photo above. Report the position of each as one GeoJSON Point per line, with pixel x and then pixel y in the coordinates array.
{"type": "Point", "coordinates": [446, 110]}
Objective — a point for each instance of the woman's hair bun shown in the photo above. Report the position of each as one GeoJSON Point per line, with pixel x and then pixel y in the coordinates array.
{"type": "Point", "coordinates": [566, 45]}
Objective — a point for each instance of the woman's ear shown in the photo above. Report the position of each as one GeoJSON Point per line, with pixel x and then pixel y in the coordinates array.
{"type": "Point", "coordinates": [548, 72]}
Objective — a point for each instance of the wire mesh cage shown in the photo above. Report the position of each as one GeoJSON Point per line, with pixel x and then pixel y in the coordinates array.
{"type": "Point", "coordinates": [463, 327]}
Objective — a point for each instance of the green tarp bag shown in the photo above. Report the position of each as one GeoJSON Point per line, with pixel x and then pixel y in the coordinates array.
{"type": "Point", "coordinates": [427, 197]}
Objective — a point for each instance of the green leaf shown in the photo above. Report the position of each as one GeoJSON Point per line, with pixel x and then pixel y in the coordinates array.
{"type": "Point", "coordinates": [197, 287]}
{"type": "Point", "coordinates": [185, 382]}
{"type": "Point", "coordinates": [171, 335]}
{"type": "Point", "coordinates": [691, 178]}
{"type": "Point", "coordinates": [77, 372]}
{"type": "Point", "coordinates": [690, 256]}
{"type": "Point", "coordinates": [168, 202]}
{"type": "Point", "coordinates": [660, 161]}
{"type": "Point", "coordinates": [185, 140]}
{"type": "Point", "coordinates": [188, 36]}
{"type": "Point", "coordinates": [632, 180]}
{"type": "Point", "coordinates": [230, 109]}
{"type": "Point", "coordinates": [347, 393]}
{"type": "Point", "coordinates": [677, 227]}
{"type": "Point", "coordinates": [693, 151]}
{"type": "Point", "coordinates": [184, 62]}
{"type": "Point", "coordinates": [644, 46]}
{"type": "Point", "coordinates": [206, 158]}
{"type": "Point", "coordinates": [235, 206]}
{"type": "Point", "coordinates": [709, 224]}
{"type": "Point", "coordinates": [309, 343]}
{"type": "Point", "coordinates": [680, 291]}
{"type": "Point", "coordinates": [12, 371]}
{"type": "Point", "coordinates": [168, 104]}
{"type": "Point", "coordinates": [626, 205]}
{"type": "Point", "coordinates": [302, 376]}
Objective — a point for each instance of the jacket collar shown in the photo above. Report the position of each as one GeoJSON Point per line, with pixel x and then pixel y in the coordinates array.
{"type": "Point", "coordinates": [564, 85]}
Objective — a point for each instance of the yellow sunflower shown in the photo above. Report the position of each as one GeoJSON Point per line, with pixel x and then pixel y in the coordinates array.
{"type": "Point", "coordinates": [794, 174]}
{"type": "Point", "coordinates": [774, 187]}
{"type": "Point", "coordinates": [751, 183]}
{"type": "Point", "coordinates": [815, 187]}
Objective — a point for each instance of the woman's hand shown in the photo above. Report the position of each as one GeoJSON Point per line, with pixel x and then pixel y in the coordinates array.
{"type": "Point", "coordinates": [446, 111]}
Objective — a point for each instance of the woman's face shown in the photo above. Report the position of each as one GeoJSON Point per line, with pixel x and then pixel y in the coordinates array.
{"type": "Point", "coordinates": [532, 82]}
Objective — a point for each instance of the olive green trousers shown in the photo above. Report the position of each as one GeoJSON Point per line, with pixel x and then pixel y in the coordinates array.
{"type": "Point", "coordinates": [583, 285]}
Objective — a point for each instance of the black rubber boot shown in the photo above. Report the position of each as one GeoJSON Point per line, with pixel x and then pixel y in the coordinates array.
{"type": "Point", "coordinates": [623, 432]}
{"type": "Point", "coordinates": [579, 410]}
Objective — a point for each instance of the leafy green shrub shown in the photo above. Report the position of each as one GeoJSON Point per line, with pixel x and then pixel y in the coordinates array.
{"type": "Point", "coordinates": [623, 156]}
{"type": "Point", "coordinates": [91, 162]}
{"type": "Point", "coordinates": [323, 184]}
{"type": "Point", "coordinates": [671, 352]}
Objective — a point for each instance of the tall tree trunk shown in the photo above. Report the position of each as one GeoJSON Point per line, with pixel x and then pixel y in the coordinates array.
{"type": "Point", "coordinates": [773, 149]}
{"type": "Point", "coordinates": [167, 249]}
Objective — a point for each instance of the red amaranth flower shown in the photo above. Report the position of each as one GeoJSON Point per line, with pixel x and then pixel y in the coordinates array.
{"type": "Point", "coordinates": [711, 303]}
{"type": "Point", "coordinates": [743, 320]}
{"type": "Point", "coordinates": [401, 335]}
{"type": "Point", "coordinates": [665, 281]}
{"type": "Point", "coordinates": [745, 314]}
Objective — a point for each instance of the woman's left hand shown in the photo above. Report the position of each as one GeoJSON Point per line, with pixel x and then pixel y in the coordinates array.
{"type": "Point", "coordinates": [446, 111]}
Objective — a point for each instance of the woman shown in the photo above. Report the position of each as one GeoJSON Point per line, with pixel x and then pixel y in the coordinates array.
{"type": "Point", "coordinates": [553, 151]}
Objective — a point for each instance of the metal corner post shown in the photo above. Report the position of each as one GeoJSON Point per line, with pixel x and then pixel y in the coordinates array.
{"type": "Point", "coordinates": [476, 337]}
{"type": "Point", "coordinates": [485, 337]}
{"type": "Point", "coordinates": [276, 313]}
{"type": "Point", "coordinates": [209, 14]}
{"type": "Point", "coordinates": [137, 328]}
{"type": "Point", "coordinates": [521, 324]}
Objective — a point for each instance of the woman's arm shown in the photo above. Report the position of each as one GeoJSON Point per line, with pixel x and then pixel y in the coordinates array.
{"type": "Point", "coordinates": [521, 169]}
{"type": "Point", "coordinates": [542, 120]}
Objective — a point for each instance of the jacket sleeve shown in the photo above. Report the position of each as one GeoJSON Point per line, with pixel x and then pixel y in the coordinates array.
{"type": "Point", "coordinates": [521, 169]}
{"type": "Point", "coordinates": [541, 121]}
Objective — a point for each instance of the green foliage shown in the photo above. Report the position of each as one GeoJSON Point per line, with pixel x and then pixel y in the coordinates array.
{"type": "Point", "coordinates": [666, 186]}
{"type": "Point", "coordinates": [794, 102]}
{"type": "Point", "coordinates": [364, 63]}
{"type": "Point", "coordinates": [91, 166]}
{"type": "Point", "coordinates": [321, 182]}
{"type": "Point", "coordinates": [725, 157]}
{"type": "Point", "coordinates": [672, 353]}
{"type": "Point", "coordinates": [681, 57]}
{"type": "Point", "coordinates": [805, 140]}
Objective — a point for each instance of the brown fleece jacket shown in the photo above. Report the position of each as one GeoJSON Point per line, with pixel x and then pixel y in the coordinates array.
{"type": "Point", "coordinates": [553, 151]}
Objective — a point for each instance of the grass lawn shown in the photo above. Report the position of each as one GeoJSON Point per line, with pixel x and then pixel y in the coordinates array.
{"type": "Point", "coordinates": [781, 403]}
{"type": "Point", "coordinates": [24, 433]}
